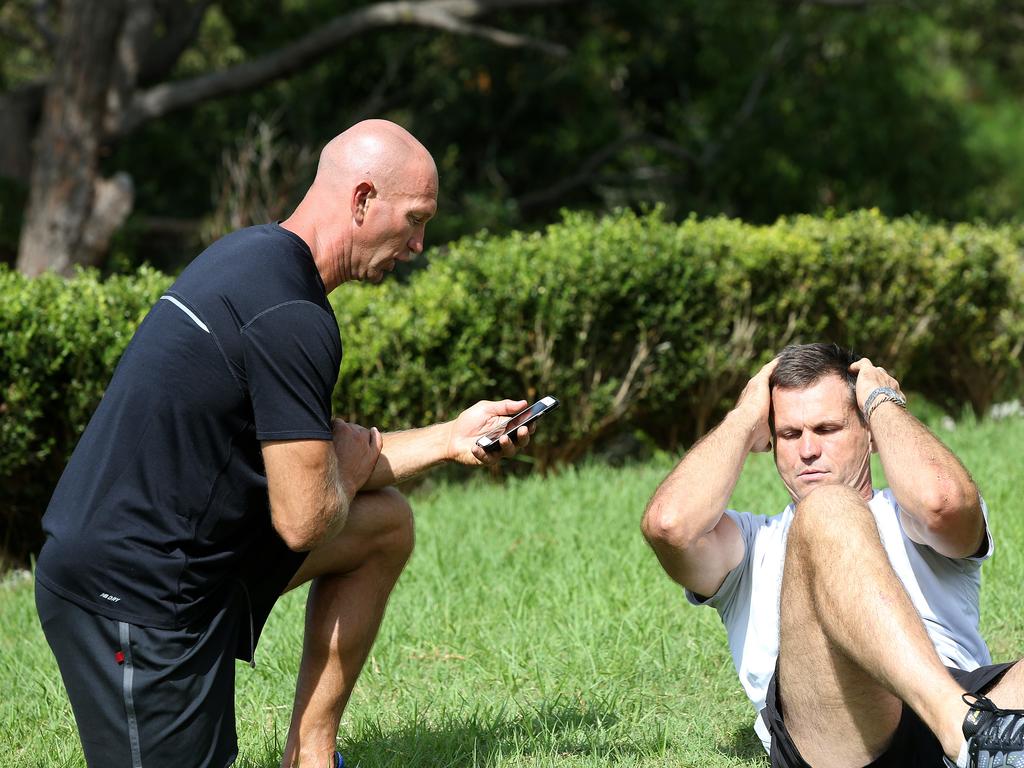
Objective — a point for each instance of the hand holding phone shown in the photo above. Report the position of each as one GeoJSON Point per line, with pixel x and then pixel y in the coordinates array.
{"type": "Point", "coordinates": [490, 441]}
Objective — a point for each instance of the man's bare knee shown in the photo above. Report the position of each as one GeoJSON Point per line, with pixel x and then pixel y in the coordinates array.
{"type": "Point", "coordinates": [378, 534]}
{"type": "Point", "coordinates": [827, 517]}
{"type": "Point", "coordinates": [394, 535]}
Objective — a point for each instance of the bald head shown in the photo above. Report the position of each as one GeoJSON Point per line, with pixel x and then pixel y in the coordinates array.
{"type": "Point", "coordinates": [379, 152]}
{"type": "Point", "coordinates": [367, 209]}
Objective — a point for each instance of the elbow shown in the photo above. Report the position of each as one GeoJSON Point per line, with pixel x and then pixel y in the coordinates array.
{"type": "Point", "coordinates": [953, 522]}
{"type": "Point", "coordinates": [946, 504]}
{"type": "Point", "coordinates": [297, 538]}
{"type": "Point", "coordinates": [665, 528]}
{"type": "Point", "coordinates": [302, 533]}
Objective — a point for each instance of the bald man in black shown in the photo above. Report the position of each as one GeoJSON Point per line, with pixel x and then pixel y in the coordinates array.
{"type": "Point", "coordinates": [212, 478]}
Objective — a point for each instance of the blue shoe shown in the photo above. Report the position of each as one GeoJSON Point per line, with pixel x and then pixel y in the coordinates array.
{"type": "Point", "coordinates": [339, 761]}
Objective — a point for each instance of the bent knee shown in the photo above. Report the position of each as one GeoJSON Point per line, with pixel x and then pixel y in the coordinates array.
{"type": "Point", "coordinates": [395, 531]}
{"type": "Point", "coordinates": [826, 515]}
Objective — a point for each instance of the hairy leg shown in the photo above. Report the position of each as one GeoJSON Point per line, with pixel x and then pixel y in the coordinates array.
{"type": "Point", "coordinates": [1008, 693]}
{"type": "Point", "coordinates": [852, 647]}
{"type": "Point", "coordinates": [352, 577]}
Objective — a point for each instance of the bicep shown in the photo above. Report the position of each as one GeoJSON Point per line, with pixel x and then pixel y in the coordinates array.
{"type": "Point", "coordinates": [710, 559]}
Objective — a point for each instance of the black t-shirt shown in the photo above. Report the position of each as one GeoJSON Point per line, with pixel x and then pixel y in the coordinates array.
{"type": "Point", "coordinates": [166, 491]}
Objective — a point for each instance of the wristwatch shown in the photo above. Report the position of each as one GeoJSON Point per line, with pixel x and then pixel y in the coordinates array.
{"type": "Point", "coordinates": [880, 395]}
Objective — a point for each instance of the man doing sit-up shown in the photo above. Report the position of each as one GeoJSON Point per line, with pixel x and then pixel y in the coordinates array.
{"type": "Point", "coordinates": [852, 616]}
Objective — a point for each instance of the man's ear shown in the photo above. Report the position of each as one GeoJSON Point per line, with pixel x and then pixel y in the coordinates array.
{"type": "Point", "coordinates": [361, 196]}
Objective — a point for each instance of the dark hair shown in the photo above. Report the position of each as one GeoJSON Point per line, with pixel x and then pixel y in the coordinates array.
{"type": "Point", "coordinates": [803, 365]}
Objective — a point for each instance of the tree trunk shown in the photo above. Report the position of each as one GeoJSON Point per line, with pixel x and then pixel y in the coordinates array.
{"type": "Point", "coordinates": [107, 51]}
{"type": "Point", "coordinates": [72, 211]}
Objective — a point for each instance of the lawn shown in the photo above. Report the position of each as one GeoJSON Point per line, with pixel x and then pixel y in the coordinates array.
{"type": "Point", "coordinates": [532, 627]}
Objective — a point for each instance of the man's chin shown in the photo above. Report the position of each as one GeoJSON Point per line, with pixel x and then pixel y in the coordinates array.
{"type": "Point", "coordinates": [804, 484]}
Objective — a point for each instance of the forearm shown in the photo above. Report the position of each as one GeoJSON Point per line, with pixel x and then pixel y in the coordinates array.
{"type": "Point", "coordinates": [691, 500]}
{"type": "Point", "coordinates": [408, 453]}
{"type": "Point", "coordinates": [336, 499]}
{"type": "Point", "coordinates": [928, 480]}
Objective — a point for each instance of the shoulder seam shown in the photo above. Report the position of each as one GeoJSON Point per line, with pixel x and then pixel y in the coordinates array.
{"type": "Point", "coordinates": [279, 306]}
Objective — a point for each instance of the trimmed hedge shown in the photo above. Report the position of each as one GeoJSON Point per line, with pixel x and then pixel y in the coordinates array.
{"type": "Point", "coordinates": [632, 321]}
{"type": "Point", "coordinates": [59, 342]}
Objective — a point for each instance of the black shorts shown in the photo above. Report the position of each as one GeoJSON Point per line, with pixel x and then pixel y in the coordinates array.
{"type": "Point", "coordinates": [152, 697]}
{"type": "Point", "coordinates": [268, 568]}
{"type": "Point", "coordinates": [913, 745]}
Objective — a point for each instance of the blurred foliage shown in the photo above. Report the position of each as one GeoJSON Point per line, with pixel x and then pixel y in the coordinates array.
{"type": "Point", "coordinates": [640, 326]}
{"type": "Point", "coordinates": [24, 47]}
{"type": "Point", "coordinates": [751, 109]}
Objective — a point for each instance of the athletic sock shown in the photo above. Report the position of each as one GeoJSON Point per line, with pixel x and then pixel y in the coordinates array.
{"type": "Point", "coordinates": [963, 760]}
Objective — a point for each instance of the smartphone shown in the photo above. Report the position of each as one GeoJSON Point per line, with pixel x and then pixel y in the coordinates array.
{"type": "Point", "coordinates": [489, 442]}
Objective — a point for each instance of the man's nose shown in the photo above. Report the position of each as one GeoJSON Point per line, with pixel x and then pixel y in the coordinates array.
{"type": "Point", "coordinates": [809, 446]}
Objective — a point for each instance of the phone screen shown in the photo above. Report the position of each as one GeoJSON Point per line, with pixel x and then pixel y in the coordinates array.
{"type": "Point", "coordinates": [524, 416]}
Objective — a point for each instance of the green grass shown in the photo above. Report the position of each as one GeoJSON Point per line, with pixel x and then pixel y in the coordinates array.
{"type": "Point", "coordinates": [533, 627]}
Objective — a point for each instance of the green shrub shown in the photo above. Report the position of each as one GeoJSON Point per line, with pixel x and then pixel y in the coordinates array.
{"type": "Point", "coordinates": [635, 323]}
{"type": "Point", "coordinates": [590, 311]}
{"type": "Point", "coordinates": [59, 342]}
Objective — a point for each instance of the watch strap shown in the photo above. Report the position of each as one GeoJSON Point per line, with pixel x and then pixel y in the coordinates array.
{"type": "Point", "coordinates": [880, 395]}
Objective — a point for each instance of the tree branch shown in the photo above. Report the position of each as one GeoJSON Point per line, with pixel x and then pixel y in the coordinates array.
{"type": "Point", "coordinates": [588, 169]}
{"type": "Point", "coordinates": [449, 15]}
{"type": "Point", "coordinates": [757, 85]}
{"type": "Point", "coordinates": [856, 4]}
{"type": "Point", "coordinates": [385, 91]}
{"type": "Point", "coordinates": [134, 39]}
{"type": "Point", "coordinates": [181, 22]}
{"type": "Point", "coordinates": [498, 36]}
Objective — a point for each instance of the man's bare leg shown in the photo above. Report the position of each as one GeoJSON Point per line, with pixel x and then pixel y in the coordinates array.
{"type": "Point", "coordinates": [352, 578]}
{"type": "Point", "coordinates": [1008, 693]}
{"type": "Point", "coordinates": [852, 647]}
